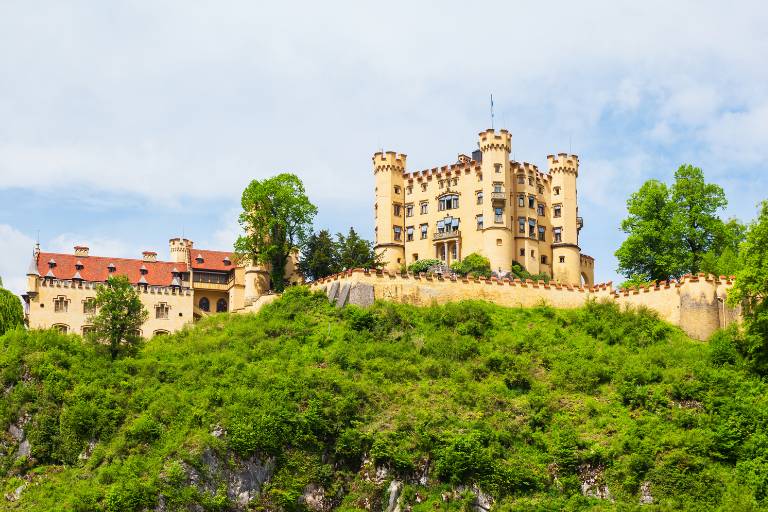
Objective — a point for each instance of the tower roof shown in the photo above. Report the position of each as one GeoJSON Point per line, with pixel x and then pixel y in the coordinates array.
{"type": "Point", "coordinates": [32, 270]}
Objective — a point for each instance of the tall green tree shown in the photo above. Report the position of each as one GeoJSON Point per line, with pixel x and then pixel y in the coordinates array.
{"type": "Point", "coordinates": [356, 252]}
{"type": "Point", "coordinates": [723, 258]}
{"type": "Point", "coordinates": [671, 229]}
{"type": "Point", "coordinates": [277, 218]}
{"type": "Point", "coordinates": [751, 290]}
{"type": "Point", "coordinates": [119, 315]}
{"type": "Point", "coordinates": [319, 256]}
{"type": "Point", "coordinates": [649, 251]}
{"type": "Point", "coordinates": [696, 223]}
{"type": "Point", "coordinates": [11, 311]}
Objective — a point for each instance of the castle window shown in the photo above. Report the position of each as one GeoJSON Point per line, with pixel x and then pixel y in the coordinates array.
{"type": "Point", "coordinates": [455, 181]}
{"type": "Point", "coordinates": [161, 311]}
{"type": "Point", "coordinates": [522, 252]}
{"type": "Point", "coordinates": [541, 189]}
{"type": "Point", "coordinates": [204, 304]}
{"type": "Point", "coordinates": [397, 189]}
{"type": "Point", "coordinates": [521, 201]}
{"type": "Point", "coordinates": [449, 202]}
{"type": "Point", "coordinates": [558, 235]}
{"type": "Point", "coordinates": [415, 256]}
{"type": "Point", "coordinates": [86, 329]}
{"type": "Point", "coordinates": [396, 208]}
{"type": "Point", "coordinates": [540, 209]}
{"type": "Point", "coordinates": [557, 191]}
{"type": "Point", "coordinates": [558, 210]}
{"type": "Point", "coordinates": [498, 215]}
{"type": "Point", "coordinates": [111, 267]}
{"type": "Point", "coordinates": [544, 259]}
{"type": "Point", "coordinates": [424, 207]}
{"type": "Point", "coordinates": [221, 306]}
{"type": "Point", "coordinates": [409, 189]}
{"type": "Point", "coordinates": [160, 332]}
{"type": "Point", "coordinates": [89, 306]}
{"type": "Point", "coordinates": [480, 197]}
{"type": "Point", "coordinates": [497, 187]}
{"type": "Point", "coordinates": [375, 211]}
{"type": "Point", "coordinates": [530, 181]}
{"type": "Point", "coordinates": [454, 251]}
{"type": "Point", "coordinates": [531, 202]}
{"type": "Point", "coordinates": [423, 231]}
{"type": "Point", "coordinates": [479, 219]}
{"type": "Point", "coordinates": [441, 183]}
{"type": "Point", "coordinates": [63, 329]}
{"type": "Point", "coordinates": [532, 228]}
{"type": "Point", "coordinates": [497, 167]}
{"type": "Point", "coordinates": [60, 304]}
{"type": "Point", "coordinates": [398, 233]}
{"type": "Point", "coordinates": [409, 234]}
{"type": "Point", "coordinates": [423, 187]}
{"type": "Point", "coordinates": [521, 224]}
{"type": "Point", "coordinates": [542, 231]}
{"type": "Point", "coordinates": [520, 179]}
{"type": "Point", "coordinates": [409, 210]}
{"type": "Point", "coordinates": [562, 259]}
{"type": "Point", "coordinates": [533, 253]}
{"type": "Point", "coordinates": [480, 176]}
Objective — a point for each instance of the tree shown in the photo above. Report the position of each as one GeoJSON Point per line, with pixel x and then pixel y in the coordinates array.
{"type": "Point", "coordinates": [751, 290]}
{"type": "Point", "coordinates": [671, 229]}
{"type": "Point", "coordinates": [473, 265]}
{"type": "Point", "coordinates": [319, 257]}
{"type": "Point", "coordinates": [649, 251]}
{"type": "Point", "coordinates": [11, 311]}
{"type": "Point", "coordinates": [723, 259]}
{"type": "Point", "coordinates": [276, 217]}
{"type": "Point", "coordinates": [356, 252]}
{"type": "Point", "coordinates": [695, 219]}
{"type": "Point", "coordinates": [120, 314]}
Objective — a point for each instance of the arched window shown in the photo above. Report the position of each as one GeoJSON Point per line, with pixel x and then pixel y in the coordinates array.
{"type": "Point", "coordinates": [160, 332]}
{"type": "Point", "coordinates": [63, 329]}
{"type": "Point", "coordinates": [204, 304]}
{"type": "Point", "coordinates": [221, 306]}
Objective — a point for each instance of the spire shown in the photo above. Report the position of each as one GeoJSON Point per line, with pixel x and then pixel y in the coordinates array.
{"type": "Point", "coordinates": [32, 270]}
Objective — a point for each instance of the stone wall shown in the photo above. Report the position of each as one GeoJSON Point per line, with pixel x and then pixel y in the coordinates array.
{"type": "Point", "coordinates": [695, 303]}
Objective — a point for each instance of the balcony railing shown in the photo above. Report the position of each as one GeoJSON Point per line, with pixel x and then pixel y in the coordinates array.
{"type": "Point", "coordinates": [446, 235]}
{"type": "Point", "coordinates": [498, 196]}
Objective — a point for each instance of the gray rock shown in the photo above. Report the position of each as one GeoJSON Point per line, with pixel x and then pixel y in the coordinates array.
{"type": "Point", "coordinates": [361, 294]}
{"type": "Point", "coordinates": [645, 493]}
{"type": "Point", "coordinates": [343, 296]}
{"type": "Point", "coordinates": [24, 449]}
{"type": "Point", "coordinates": [394, 491]}
{"type": "Point", "coordinates": [16, 432]}
{"type": "Point", "coordinates": [592, 482]}
{"type": "Point", "coordinates": [333, 291]}
{"type": "Point", "coordinates": [314, 498]}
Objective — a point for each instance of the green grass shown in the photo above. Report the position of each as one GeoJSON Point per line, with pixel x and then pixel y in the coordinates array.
{"type": "Point", "coordinates": [514, 401]}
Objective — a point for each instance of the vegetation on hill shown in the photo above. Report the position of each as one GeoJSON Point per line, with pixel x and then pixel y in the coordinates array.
{"type": "Point", "coordinates": [11, 310]}
{"type": "Point", "coordinates": [308, 406]}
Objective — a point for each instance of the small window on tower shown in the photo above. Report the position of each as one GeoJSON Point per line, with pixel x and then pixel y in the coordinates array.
{"type": "Point", "coordinates": [520, 179]}
{"type": "Point", "coordinates": [409, 234]}
{"type": "Point", "coordinates": [409, 210]}
{"type": "Point", "coordinates": [398, 233]}
{"type": "Point", "coordinates": [558, 210]}
{"type": "Point", "coordinates": [423, 231]}
{"type": "Point", "coordinates": [497, 167]}
{"type": "Point", "coordinates": [480, 197]}
{"type": "Point", "coordinates": [558, 235]}
{"type": "Point", "coordinates": [423, 187]}
{"type": "Point", "coordinates": [556, 191]}
{"type": "Point", "coordinates": [522, 252]}
{"type": "Point", "coordinates": [396, 209]}
{"type": "Point", "coordinates": [562, 259]}
{"type": "Point", "coordinates": [544, 260]}
{"type": "Point", "coordinates": [397, 189]}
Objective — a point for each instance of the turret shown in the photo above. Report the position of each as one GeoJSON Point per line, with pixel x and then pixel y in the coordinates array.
{"type": "Point", "coordinates": [33, 275]}
{"type": "Point", "coordinates": [389, 211]}
{"type": "Point", "coordinates": [179, 249]}
{"type": "Point", "coordinates": [498, 238]}
{"type": "Point", "coordinates": [566, 255]}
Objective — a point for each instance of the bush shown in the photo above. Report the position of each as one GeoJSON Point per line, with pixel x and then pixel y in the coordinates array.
{"type": "Point", "coordinates": [519, 272]}
{"type": "Point", "coordinates": [420, 266]}
{"type": "Point", "coordinates": [473, 265]}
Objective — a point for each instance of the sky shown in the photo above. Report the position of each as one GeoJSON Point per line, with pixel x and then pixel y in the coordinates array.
{"type": "Point", "coordinates": [124, 124]}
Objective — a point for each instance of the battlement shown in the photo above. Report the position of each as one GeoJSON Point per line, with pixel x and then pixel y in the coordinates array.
{"type": "Point", "coordinates": [389, 161]}
{"type": "Point", "coordinates": [563, 162]}
{"type": "Point", "coordinates": [445, 170]}
{"type": "Point", "coordinates": [525, 167]}
{"type": "Point", "coordinates": [676, 283]}
{"type": "Point", "coordinates": [490, 139]}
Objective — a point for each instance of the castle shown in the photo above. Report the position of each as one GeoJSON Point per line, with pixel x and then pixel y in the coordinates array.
{"type": "Point", "coordinates": [192, 284]}
{"type": "Point", "coordinates": [507, 211]}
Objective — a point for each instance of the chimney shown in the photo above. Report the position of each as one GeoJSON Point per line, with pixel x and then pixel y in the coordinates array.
{"type": "Point", "coordinates": [149, 256]}
{"type": "Point", "coordinates": [81, 250]}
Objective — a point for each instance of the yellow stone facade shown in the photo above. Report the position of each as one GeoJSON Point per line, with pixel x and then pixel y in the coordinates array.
{"type": "Point", "coordinates": [486, 203]}
{"type": "Point", "coordinates": [192, 284]}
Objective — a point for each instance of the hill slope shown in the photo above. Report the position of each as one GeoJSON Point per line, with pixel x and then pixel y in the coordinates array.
{"type": "Point", "coordinates": [306, 406]}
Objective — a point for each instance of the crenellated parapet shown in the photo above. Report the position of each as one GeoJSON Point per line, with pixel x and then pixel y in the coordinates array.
{"type": "Point", "coordinates": [563, 162]}
{"type": "Point", "coordinates": [389, 161]}
{"type": "Point", "coordinates": [493, 140]}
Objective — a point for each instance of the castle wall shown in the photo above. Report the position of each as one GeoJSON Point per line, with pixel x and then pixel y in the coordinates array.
{"type": "Point", "coordinates": [695, 303]}
{"type": "Point", "coordinates": [43, 315]}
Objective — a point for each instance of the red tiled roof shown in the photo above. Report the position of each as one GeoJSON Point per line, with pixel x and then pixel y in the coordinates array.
{"type": "Point", "coordinates": [212, 260]}
{"type": "Point", "coordinates": [159, 273]}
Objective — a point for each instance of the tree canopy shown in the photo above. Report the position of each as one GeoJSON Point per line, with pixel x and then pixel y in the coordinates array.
{"type": "Point", "coordinates": [11, 311]}
{"type": "Point", "coordinates": [323, 256]}
{"type": "Point", "coordinates": [277, 218]}
{"type": "Point", "coordinates": [119, 315]}
{"type": "Point", "coordinates": [675, 230]}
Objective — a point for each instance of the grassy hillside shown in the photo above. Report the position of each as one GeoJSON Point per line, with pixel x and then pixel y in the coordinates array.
{"type": "Point", "coordinates": [452, 407]}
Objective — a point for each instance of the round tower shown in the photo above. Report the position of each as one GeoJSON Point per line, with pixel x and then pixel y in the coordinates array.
{"type": "Point", "coordinates": [498, 236]}
{"type": "Point", "coordinates": [389, 210]}
{"type": "Point", "coordinates": [566, 255]}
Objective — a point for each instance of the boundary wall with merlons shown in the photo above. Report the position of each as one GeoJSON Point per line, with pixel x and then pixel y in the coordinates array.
{"type": "Point", "coordinates": [694, 303]}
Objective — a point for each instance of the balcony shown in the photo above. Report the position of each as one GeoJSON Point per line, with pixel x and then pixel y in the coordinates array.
{"type": "Point", "coordinates": [446, 235]}
{"type": "Point", "coordinates": [498, 196]}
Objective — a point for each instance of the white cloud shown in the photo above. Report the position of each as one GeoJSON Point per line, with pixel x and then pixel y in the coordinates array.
{"type": "Point", "coordinates": [98, 246]}
{"type": "Point", "coordinates": [17, 254]}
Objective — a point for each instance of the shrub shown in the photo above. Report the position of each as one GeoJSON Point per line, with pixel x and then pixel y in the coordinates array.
{"type": "Point", "coordinates": [420, 266]}
{"type": "Point", "coordinates": [473, 265]}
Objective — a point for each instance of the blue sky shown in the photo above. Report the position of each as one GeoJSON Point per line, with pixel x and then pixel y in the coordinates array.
{"type": "Point", "coordinates": [123, 124]}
